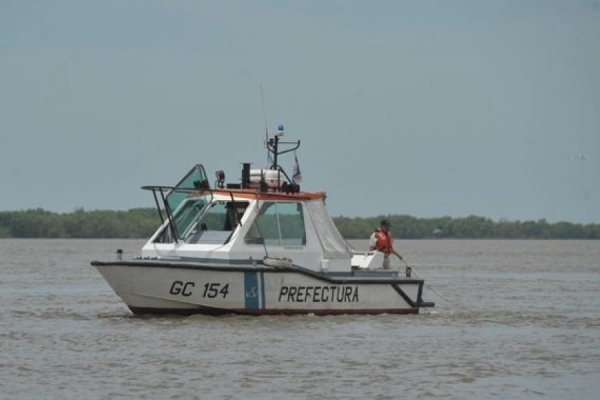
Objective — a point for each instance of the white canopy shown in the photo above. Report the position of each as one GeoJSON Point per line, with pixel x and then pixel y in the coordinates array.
{"type": "Point", "coordinates": [333, 244]}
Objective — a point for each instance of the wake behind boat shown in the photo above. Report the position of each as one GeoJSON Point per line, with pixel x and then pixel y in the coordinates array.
{"type": "Point", "coordinates": [261, 246]}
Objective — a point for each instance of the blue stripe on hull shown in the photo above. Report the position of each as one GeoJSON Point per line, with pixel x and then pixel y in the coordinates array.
{"type": "Point", "coordinates": [262, 290]}
{"type": "Point", "coordinates": [251, 291]}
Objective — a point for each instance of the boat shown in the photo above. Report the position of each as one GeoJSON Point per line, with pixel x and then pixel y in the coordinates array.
{"type": "Point", "coordinates": [254, 247]}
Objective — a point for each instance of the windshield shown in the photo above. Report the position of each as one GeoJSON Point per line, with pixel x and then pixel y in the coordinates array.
{"type": "Point", "coordinates": [184, 203]}
{"type": "Point", "coordinates": [194, 180]}
{"type": "Point", "coordinates": [188, 212]}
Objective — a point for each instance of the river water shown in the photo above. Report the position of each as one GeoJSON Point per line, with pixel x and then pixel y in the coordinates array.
{"type": "Point", "coordinates": [516, 319]}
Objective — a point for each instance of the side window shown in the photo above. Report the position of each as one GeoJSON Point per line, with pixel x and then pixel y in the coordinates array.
{"type": "Point", "coordinates": [264, 229]}
{"type": "Point", "coordinates": [291, 222]}
{"type": "Point", "coordinates": [278, 224]}
{"type": "Point", "coordinates": [217, 222]}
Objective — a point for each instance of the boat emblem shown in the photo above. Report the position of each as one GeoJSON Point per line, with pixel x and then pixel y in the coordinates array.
{"type": "Point", "coordinates": [252, 292]}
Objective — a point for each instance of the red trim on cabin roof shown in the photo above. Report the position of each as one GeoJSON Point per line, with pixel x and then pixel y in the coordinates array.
{"type": "Point", "coordinates": [251, 194]}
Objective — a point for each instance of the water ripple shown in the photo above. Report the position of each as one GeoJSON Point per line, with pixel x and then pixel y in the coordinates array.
{"type": "Point", "coordinates": [522, 323]}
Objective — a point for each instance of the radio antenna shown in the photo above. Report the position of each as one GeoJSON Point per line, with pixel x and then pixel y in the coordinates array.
{"type": "Point", "coordinates": [264, 111]}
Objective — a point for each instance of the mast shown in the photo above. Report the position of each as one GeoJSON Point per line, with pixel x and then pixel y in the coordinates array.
{"type": "Point", "coordinates": [273, 146]}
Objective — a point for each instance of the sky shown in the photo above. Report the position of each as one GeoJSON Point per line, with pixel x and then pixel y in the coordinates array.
{"type": "Point", "coordinates": [427, 108]}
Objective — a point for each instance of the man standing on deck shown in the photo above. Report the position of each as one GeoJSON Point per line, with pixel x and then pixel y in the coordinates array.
{"type": "Point", "coordinates": [381, 240]}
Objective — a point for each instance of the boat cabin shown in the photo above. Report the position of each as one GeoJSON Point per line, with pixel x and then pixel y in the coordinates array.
{"type": "Point", "coordinates": [232, 225]}
{"type": "Point", "coordinates": [266, 216]}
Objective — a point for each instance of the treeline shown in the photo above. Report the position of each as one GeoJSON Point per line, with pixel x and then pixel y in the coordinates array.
{"type": "Point", "coordinates": [39, 223]}
{"type": "Point", "coordinates": [472, 227]}
{"type": "Point", "coordinates": [142, 222]}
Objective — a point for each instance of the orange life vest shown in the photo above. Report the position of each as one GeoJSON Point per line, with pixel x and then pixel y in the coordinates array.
{"type": "Point", "coordinates": [383, 241]}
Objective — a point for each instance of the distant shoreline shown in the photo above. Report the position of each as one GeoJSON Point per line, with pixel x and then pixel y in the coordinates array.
{"type": "Point", "coordinates": [140, 223]}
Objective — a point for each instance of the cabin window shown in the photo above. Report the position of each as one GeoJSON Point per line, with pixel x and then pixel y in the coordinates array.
{"type": "Point", "coordinates": [218, 222]}
{"type": "Point", "coordinates": [278, 224]}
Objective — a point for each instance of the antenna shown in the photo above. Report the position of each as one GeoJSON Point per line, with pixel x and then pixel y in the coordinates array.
{"type": "Point", "coordinates": [264, 111]}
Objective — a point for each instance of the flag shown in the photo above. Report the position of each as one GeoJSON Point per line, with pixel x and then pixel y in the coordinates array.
{"type": "Point", "coordinates": [297, 175]}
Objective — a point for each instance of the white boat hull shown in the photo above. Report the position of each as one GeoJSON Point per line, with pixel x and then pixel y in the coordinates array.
{"type": "Point", "coordinates": [151, 287]}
